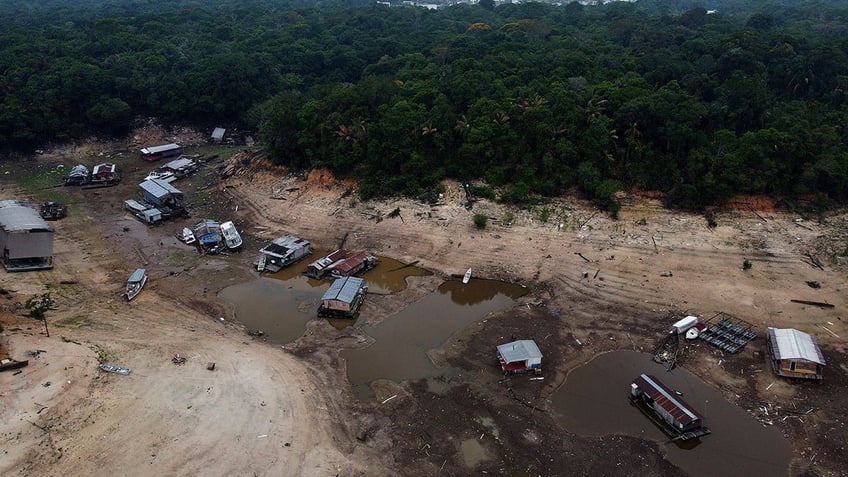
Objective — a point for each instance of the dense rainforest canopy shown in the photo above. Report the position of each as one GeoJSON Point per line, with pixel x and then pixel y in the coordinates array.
{"type": "Point", "coordinates": [534, 98]}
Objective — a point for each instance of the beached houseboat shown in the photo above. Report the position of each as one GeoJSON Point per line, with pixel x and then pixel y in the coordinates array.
{"type": "Point", "coordinates": [158, 152]}
{"type": "Point", "coordinates": [359, 262]}
{"type": "Point", "coordinates": [519, 357]}
{"type": "Point", "coordinates": [26, 240]}
{"type": "Point", "coordinates": [795, 354]}
{"type": "Point", "coordinates": [105, 174]}
{"type": "Point", "coordinates": [666, 408]}
{"type": "Point", "coordinates": [319, 268]}
{"type": "Point", "coordinates": [283, 252]}
{"type": "Point", "coordinates": [79, 175]}
{"type": "Point", "coordinates": [181, 167]}
{"type": "Point", "coordinates": [343, 298]}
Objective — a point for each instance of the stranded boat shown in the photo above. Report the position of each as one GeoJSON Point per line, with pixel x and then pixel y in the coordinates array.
{"type": "Point", "coordinates": [232, 239]}
{"type": "Point", "coordinates": [136, 283]}
{"type": "Point", "coordinates": [186, 236]}
{"type": "Point", "coordinates": [467, 277]}
{"type": "Point", "coordinates": [666, 408]}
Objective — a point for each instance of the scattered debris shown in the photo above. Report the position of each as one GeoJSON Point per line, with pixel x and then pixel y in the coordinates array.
{"type": "Point", "coordinates": [9, 363]}
{"type": "Point", "coordinates": [178, 359]}
{"type": "Point", "coordinates": [210, 366]}
{"type": "Point", "coordinates": [813, 284]}
{"type": "Point", "coordinates": [813, 303]}
{"type": "Point", "coordinates": [666, 274]}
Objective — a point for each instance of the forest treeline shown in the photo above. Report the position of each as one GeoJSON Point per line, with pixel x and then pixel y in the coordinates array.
{"type": "Point", "coordinates": [533, 98]}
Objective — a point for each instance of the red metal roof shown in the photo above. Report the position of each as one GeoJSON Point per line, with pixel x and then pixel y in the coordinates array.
{"type": "Point", "coordinates": [351, 263]}
{"type": "Point", "coordinates": [666, 398]}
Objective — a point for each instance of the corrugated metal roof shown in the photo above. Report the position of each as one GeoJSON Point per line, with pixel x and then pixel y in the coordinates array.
{"type": "Point", "coordinates": [158, 149]}
{"type": "Point", "coordinates": [17, 216]}
{"type": "Point", "coordinates": [790, 343]}
{"type": "Point", "coordinates": [179, 163]}
{"type": "Point", "coordinates": [663, 396]}
{"type": "Point", "coordinates": [352, 262]}
{"type": "Point", "coordinates": [344, 289]}
{"type": "Point", "coordinates": [520, 350]}
{"type": "Point", "coordinates": [159, 188]}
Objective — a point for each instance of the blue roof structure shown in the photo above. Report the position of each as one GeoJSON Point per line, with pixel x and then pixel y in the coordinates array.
{"type": "Point", "coordinates": [344, 289]}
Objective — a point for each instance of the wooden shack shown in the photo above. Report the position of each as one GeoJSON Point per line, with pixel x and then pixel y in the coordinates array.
{"type": "Point", "coordinates": [283, 251]}
{"type": "Point", "coordinates": [795, 354]}
{"type": "Point", "coordinates": [343, 298]}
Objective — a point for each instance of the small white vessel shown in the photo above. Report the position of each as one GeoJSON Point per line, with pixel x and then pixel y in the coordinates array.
{"type": "Point", "coordinates": [232, 239]}
{"type": "Point", "coordinates": [136, 282]}
{"type": "Point", "coordinates": [186, 236]}
{"type": "Point", "coordinates": [467, 277]}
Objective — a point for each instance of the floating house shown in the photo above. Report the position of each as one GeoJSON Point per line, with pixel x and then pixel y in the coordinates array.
{"type": "Point", "coordinates": [181, 167]}
{"type": "Point", "coordinates": [666, 408]}
{"type": "Point", "coordinates": [79, 175]}
{"type": "Point", "coordinates": [795, 354]}
{"type": "Point", "coordinates": [357, 263]}
{"type": "Point", "coordinates": [343, 298]}
{"type": "Point", "coordinates": [158, 152]}
{"type": "Point", "coordinates": [283, 252]}
{"type": "Point", "coordinates": [319, 268]}
{"type": "Point", "coordinates": [207, 232]}
{"type": "Point", "coordinates": [163, 195]}
{"type": "Point", "coordinates": [518, 357]}
{"type": "Point", "coordinates": [25, 238]}
{"type": "Point", "coordinates": [105, 174]}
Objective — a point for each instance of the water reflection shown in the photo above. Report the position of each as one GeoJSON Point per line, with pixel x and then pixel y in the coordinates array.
{"type": "Point", "coordinates": [389, 276]}
{"type": "Point", "coordinates": [593, 401]}
{"type": "Point", "coordinates": [404, 339]}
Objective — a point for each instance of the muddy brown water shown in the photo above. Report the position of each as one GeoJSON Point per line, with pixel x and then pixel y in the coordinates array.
{"type": "Point", "coordinates": [594, 402]}
{"type": "Point", "coordinates": [403, 340]}
{"type": "Point", "coordinates": [280, 304]}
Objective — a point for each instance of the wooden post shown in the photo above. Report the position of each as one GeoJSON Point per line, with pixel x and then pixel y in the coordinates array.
{"type": "Point", "coordinates": [44, 319]}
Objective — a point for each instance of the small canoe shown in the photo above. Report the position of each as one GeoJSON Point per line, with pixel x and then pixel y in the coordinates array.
{"type": "Point", "coordinates": [136, 282]}
{"type": "Point", "coordinates": [467, 277]}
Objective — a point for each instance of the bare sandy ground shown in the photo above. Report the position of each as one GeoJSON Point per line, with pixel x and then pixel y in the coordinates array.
{"type": "Point", "coordinates": [271, 411]}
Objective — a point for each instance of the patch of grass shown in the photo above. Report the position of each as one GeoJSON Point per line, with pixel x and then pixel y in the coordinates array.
{"type": "Point", "coordinates": [746, 264]}
{"type": "Point", "coordinates": [544, 215]}
{"type": "Point", "coordinates": [77, 321]}
{"type": "Point", "coordinates": [480, 221]}
{"type": "Point", "coordinates": [103, 355]}
{"type": "Point", "coordinates": [43, 181]}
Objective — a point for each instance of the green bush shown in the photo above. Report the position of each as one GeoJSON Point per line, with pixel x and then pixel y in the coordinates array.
{"type": "Point", "coordinates": [480, 221]}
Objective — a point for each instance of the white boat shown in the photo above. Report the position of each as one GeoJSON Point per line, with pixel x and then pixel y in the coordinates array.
{"type": "Point", "coordinates": [166, 176]}
{"type": "Point", "coordinates": [232, 239]}
{"type": "Point", "coordinates": [186, 236]}
{"type": "Point", "coordinates": [136, 282]}
{"type": "Point", "coordinates": [467, 277]}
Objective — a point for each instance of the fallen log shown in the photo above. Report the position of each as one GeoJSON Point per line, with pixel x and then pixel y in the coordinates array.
{"type": "Point", "coordinates": [813, 303]}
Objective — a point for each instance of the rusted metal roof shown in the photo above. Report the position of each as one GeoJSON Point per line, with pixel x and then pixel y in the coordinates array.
{"type": "Point", "coordinates": [350, 263]}
{"type": "Point", "coordinates": [665, 398]}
